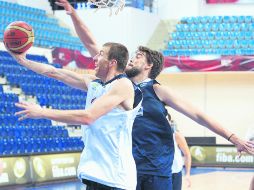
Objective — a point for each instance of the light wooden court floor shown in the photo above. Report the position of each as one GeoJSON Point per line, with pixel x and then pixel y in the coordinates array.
{"type": "Point", "coordinates": [221, 180]}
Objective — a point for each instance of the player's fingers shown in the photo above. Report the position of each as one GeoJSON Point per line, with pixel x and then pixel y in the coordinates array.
{"type": "Point", "coordinates": [250, 150]}
{"type": "Point", "coordinates": [251, 143]}
{"type": "Point", "coordinates": [23, 117]}
{"type": "Point", "coordinates": [20, 105]}
{"type": "Point", "coordinates": [239, 154]}
{"type": "Point", "coordinates": [61, 1]}
{"type": "Point", "coordinates": [21, 112]}
{"type": "Point", "coordinates": [60, 4]}
{"type": "Point", "coordinates": [24, 103]}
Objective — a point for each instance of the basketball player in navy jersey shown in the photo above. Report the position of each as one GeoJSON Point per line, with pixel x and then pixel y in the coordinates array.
{"type": "Point", "coordinates": [106, 162]}
{"type": "Point", "coordinates": [153, 147]}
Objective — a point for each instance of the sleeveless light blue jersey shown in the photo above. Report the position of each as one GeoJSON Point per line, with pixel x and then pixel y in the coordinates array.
{"type": "Point", "coordinates": [107, 155]}
{"type": "Point", "coordinates": [178, 163]}
{"type": "Point", "coordinates": [153, 145]}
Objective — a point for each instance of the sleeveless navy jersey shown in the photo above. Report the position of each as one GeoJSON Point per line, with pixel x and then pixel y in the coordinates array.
{"type": "Point", "coordinates": [153, 145]}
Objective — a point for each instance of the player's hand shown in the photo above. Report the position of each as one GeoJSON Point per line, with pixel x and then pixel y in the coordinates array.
{"type": "Point", "coordinates": [188, 181]}
{"type": "Point", "coordinates": [243, 146]}
{"type": "Point", "coordinates": [66, 5]}
{"type": "Point", "coordinates": [16, 55]}
{"type": "Point", "coordinates": [19, 57]}
{"type": "Point", "coordinates": [30, 110]}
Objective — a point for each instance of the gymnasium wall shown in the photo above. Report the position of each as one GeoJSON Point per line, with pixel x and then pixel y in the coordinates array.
{"type": "Point", "coordinates": [227, 97]}
{"type": "Point", "coordinates": [226, 9]}
{"type": "Point", "coordinates": [40, 4]}
{"type": "Point", "coordinates": [132, 27]}
{"type": "Point", "coordinates": [11, 1]}
{"type": "Point", "coordinates": [172, 9]}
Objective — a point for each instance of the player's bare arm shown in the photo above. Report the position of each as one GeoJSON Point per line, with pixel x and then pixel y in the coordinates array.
{"type": "Point", "coordinates": [185, 149]}
{"type": "Point", "coordinates": [68, 77]}
{"type": "Point", "coordinates": [172, 100]}
{"type": "Point", "coordinates": [182, 144]}
{"type": "Point", "coordinates": [82, 30]}
{"type": "Point", "coordinates": [121, 95]}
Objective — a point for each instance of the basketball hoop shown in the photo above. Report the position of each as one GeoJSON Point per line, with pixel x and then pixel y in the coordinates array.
{"type": "Point", "coordinates": [119, 4]}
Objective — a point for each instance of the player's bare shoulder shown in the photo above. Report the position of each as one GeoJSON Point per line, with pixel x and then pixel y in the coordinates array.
{"type": "Point", "coordinates": [125, 85]}
{"type": "Point", "coordinates": [124, 88]}
{"type": "Point", "coordinates": [90, 77]}
{"type": "Point", "coordinates": [159, 88]}
{"type": "Point", "coordinates": [162, 91]}
{"type": "Point", "coordinates": [87, 78]}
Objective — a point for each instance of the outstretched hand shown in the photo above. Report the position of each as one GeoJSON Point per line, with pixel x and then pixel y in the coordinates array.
{"type": "Point", "coordinates": [18, 57]}
{"type": "Point", "coordinates": [188, 181]}
{"type": "Point", "coordinates": [243, 146]}
{"type": "Point", "coordinates": [30, 110]}
{"type": "Point", "coordinates": [66, 5]}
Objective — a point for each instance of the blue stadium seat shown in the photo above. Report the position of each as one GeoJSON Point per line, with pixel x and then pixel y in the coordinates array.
{"type": "Point", "coordinates": [248, 19]}
{"type": "Point", "coordinates": [241, 19]}
{"type": "Point", "coordinates": [226, 35]}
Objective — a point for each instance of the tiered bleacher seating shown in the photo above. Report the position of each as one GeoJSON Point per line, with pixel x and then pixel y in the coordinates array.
{"type": "Point", "coordinates": [220, 35]}
{"type": "Point", "coordinates": [35, 136]}
{"type": "Point", "coordinates": [48, 33]}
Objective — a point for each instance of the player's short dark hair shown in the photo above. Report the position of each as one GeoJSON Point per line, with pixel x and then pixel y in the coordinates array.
{"type": "Point", "coordinates": [153, 57]}
{"type": "Point", "coordinates": [118, 52]}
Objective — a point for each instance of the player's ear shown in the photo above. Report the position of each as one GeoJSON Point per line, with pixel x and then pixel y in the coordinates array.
{"type": "Point", "coordinates": [149, 66]}
{"type": "Point", "coordinates": [113, 63]}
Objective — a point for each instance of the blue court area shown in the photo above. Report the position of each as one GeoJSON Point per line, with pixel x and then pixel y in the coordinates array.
{"type": "Point", "coordinates": [60, 186]}
{"type": "Point", "coordinates": [70, 185]}
{"type": "Point", "coordinates": [77, 185]}
{"type": "Point", "coordinates": [195, 171]}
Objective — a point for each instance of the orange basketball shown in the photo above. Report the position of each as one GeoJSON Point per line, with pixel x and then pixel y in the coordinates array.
{"type": "Point", "coordinates": [18, 37]}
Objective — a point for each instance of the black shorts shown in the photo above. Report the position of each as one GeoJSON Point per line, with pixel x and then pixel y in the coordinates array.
{"type": "Point", "coordinates": [91, 185]}
{"type": "Point", "coordinates": [151, 182]}
{"type": "Point", "coordinates": [177, 181]}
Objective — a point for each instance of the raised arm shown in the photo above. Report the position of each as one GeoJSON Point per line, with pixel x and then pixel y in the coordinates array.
{"type": "Point", "coordinates": [172, 100]}
{"type": "Point", "coordinates": [120, 95]}
{"type": "Point", "coordinates": [182, 144]}
{"type": "Point", "coordinates": [82, 30]}
{"type": "Point", "coordinates": [68, 77]}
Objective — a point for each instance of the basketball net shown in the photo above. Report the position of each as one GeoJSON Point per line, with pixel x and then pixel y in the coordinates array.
{"type": "Point", "coordinates": [118, 4]}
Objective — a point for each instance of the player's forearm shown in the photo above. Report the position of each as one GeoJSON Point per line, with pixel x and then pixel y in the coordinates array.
{"type": "Point", "coordinates": [85, 34]}
{"type": "Point", "coordinates": [80, 117]}
{"type": "Point", "coordinates": [70, 78]}
{"type": "Point", "coordinates": [37, 67]}
{"type": "Point", "coordinates": [190, 111]}
{"type": "Point", "coordinates": [213, 126]}
{"type": "Point", "coordinates": [218, 129]}
{"type": "Point", "coordinates": [187, 163]}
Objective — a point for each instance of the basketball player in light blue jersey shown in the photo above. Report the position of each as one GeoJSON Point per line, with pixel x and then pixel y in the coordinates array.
{"type": "Point", "coordinates": [153, 147]}
{"type": "Point", "coordinates": [181, 148]}
{"type": "Point", "coordinates": [106, 162]}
